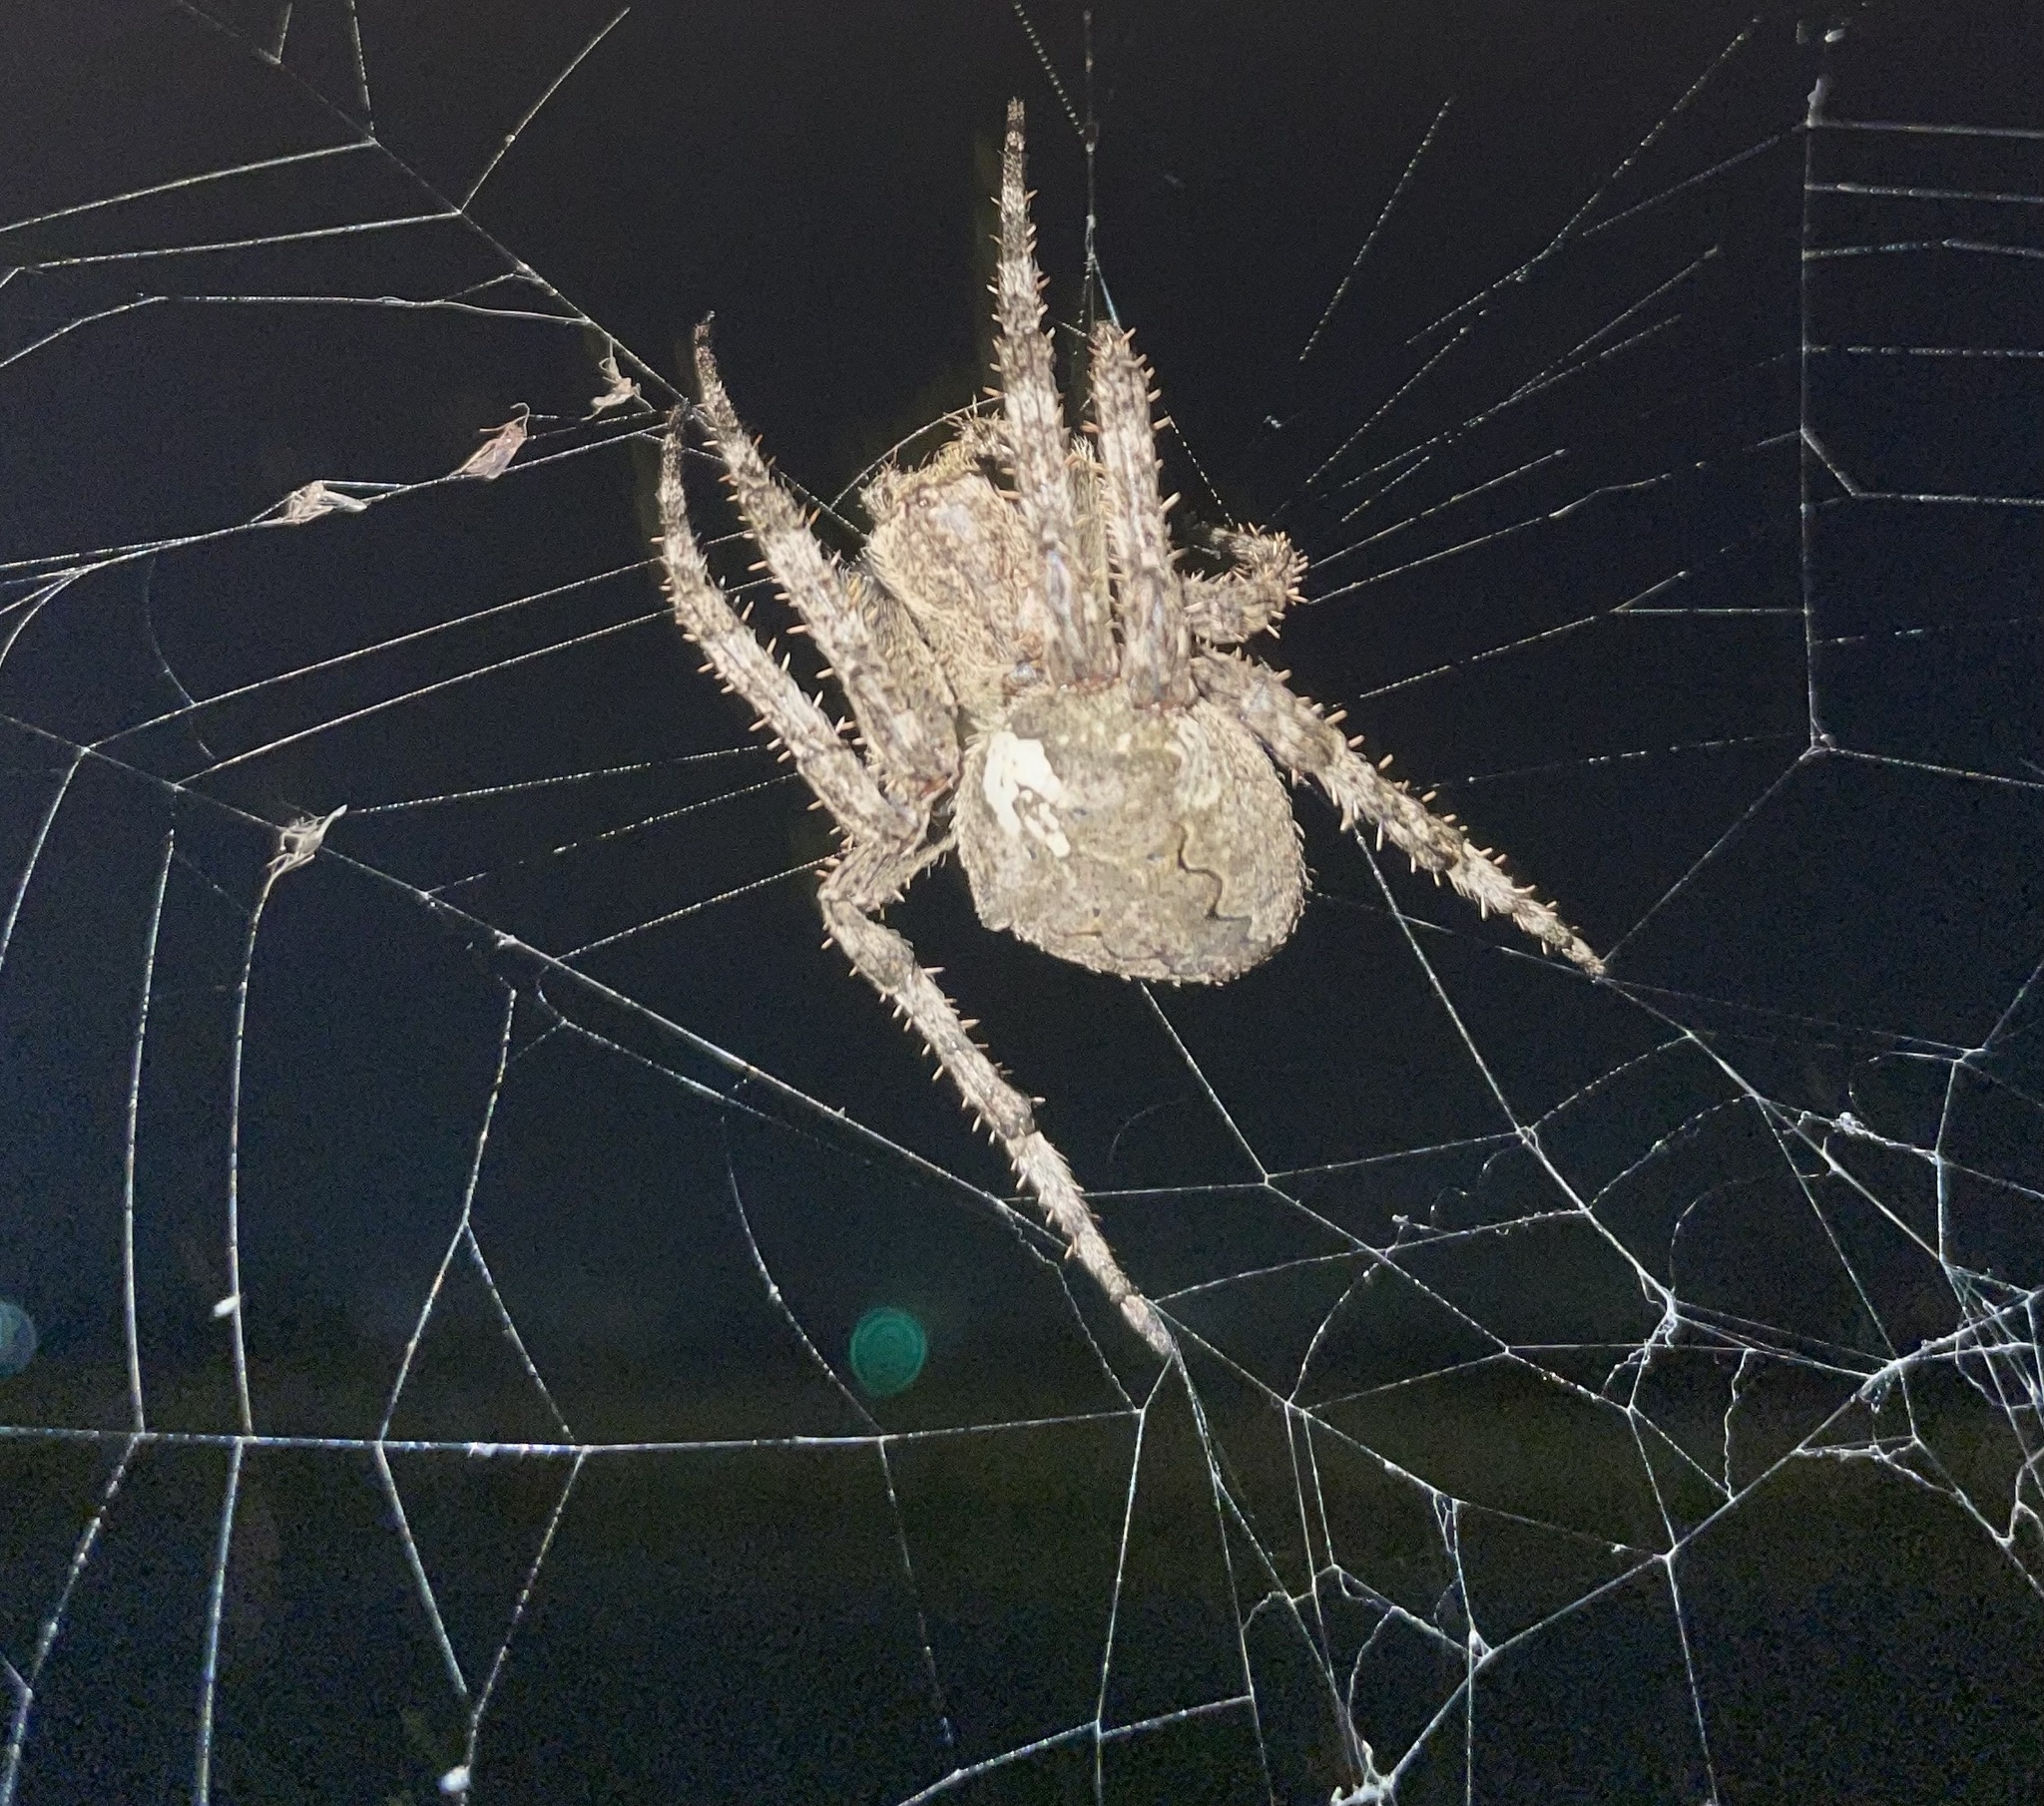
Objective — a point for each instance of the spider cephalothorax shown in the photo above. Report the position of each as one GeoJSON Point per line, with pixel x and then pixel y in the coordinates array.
{"type": "Point", "coordinates": [1019, 639]}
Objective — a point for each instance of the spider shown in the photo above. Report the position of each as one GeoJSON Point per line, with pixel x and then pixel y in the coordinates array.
{"type": "Point", "coordinates": [1037, 683]}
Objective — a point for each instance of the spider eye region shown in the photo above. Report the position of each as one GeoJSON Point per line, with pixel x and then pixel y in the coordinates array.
{"type": "Point", "coordinates": [1148, 844]}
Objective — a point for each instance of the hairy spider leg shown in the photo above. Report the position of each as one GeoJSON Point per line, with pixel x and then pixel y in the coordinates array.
{"type": "Point", "coordinates": [1065, 626]}
{"type": "Point", "coordinates": [1303, 739]}
{"type": "Point", "coordinates": [831, 768]}
{"type": "Point", "coordinates": [887, 846]}
{"type": "Point", "coordinates": [888, 964]}
{"type": "Point", "coordinates": [1244, 601]}
{"type": "Point", "coordinates": [1156, 646]}
{"type": "Point", "coordinates": [913, 740]}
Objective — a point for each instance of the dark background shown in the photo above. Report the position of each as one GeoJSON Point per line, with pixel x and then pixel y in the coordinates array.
{"type": "Point", "coordinates": [1669, 475]}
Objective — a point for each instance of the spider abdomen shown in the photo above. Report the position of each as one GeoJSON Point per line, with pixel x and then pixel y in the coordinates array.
{"type": "Point", "coordinates": [1151, 844]}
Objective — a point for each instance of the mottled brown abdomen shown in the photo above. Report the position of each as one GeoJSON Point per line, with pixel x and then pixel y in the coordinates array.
{"type": "Point", "coordinates": [1152, 843]}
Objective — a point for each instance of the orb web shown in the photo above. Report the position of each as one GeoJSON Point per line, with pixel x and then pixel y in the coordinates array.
{"type": "Point", "coordinates": [446, 1182]}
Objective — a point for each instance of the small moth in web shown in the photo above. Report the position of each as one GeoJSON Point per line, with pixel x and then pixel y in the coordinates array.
{"type": "Point", "coordinates": [491, 459]}
{"type": "Point", "coordinates": [1038, 686]}
{"type": "Point", "coordinates": [298, 842]}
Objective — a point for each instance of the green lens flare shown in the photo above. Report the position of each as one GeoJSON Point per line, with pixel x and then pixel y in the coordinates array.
{"type": "Point", "coordinates": [18, 1340]}
{"type": "Point", "coordinates": [887, 1351]}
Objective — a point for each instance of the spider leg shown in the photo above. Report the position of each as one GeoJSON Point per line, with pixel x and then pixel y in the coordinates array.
{"type": "Point", "coordinates": [887, 849]}
{"type": "Point", "coordinates": [829, 768]}
{"type": "Point", "coordinates": [1299, 736]}
{"type": "Point", "coordinates": [1243, 602]}
{"type": "Point", "coordinates": [1065, 624]}
{"type": "Point", "coordinates": [1157, 644]}
{"type": "Point", "coordinates": [912, 736]}
{"type": "Point", "coordinates": [888, 963]}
